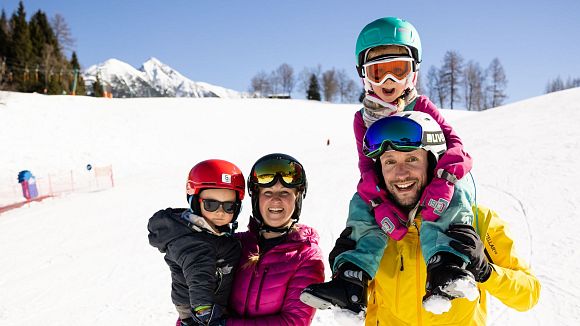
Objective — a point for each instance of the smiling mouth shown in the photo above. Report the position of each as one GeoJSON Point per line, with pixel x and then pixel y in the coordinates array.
{"type": "Point", "coordinates": [388, 91]}
{"type": "Point", "coordinates": [275, 210]}
{"type": "Point", "coordinates": [404, 186]}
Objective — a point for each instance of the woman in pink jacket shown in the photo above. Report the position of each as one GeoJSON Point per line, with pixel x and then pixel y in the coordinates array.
{"type": "Point", "coordinates": [279, 257]}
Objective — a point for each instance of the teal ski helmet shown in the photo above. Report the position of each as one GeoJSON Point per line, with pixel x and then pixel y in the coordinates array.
{"type": "Point", "coordinates": [387, 31]}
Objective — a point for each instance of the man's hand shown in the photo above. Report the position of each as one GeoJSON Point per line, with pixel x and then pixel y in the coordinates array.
{"type": "Point", "coordinates": [467, 242]}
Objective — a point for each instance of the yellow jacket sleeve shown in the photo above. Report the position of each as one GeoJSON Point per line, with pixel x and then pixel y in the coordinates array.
{"type": "Point", "coordinates": [511, 280]}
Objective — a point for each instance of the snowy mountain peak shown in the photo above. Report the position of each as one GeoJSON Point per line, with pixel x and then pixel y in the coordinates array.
{"type": "Point", "coordinates": [152, 79]}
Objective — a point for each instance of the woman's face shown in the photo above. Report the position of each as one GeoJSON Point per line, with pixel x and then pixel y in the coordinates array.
{"type": "Point", "coordinates": [277, 204]}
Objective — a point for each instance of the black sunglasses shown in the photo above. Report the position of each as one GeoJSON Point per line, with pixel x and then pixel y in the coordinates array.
{"type": "Point", "coordinates": [212, 205]}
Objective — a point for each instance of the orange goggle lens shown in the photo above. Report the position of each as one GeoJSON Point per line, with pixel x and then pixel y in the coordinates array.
{"type": "Point", "coordinates": [397, 68]}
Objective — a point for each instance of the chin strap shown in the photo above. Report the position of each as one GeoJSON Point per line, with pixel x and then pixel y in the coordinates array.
{"type": "Point", "coordinates": [264, 228]}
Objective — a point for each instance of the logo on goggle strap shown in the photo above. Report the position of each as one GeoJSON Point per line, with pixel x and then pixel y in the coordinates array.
{"type": "Point", "coordinates": [226, 178]}
{"type": "Point", "coordinates": [433, 138]}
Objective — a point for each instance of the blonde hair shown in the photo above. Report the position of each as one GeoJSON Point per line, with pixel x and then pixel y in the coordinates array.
{"type": "Point", "coordinates": [255, 257]}
{"type": "Point", "coordinates": [386, 49]}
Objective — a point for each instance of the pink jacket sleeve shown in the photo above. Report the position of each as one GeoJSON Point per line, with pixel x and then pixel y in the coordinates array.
{"type": "Point", "coordinates": [455, 160]}
{"type": "Point", "coordinates": [294, 312]}
{"type": "Point", "coordinates": [367, 186]}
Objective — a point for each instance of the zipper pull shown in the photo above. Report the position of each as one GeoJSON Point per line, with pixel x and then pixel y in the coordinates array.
{"type": "Point", "coordinates": [402, 266]}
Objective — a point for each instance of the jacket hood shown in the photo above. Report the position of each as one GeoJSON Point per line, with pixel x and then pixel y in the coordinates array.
{"type": "Point", "coordinates": [166, 226]}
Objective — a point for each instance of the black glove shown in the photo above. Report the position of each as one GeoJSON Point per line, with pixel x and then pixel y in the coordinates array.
{"type": "Point", "coordinates": [343, 243]}
{"type": "Point", "coordinates": [467, 242]}
{"type": "Point", "coordinates": [187, 322]}
{"type": "Point", "coordinates": [208, 315]}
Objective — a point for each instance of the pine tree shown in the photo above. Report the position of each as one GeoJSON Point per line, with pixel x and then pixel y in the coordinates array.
{"type": "Point", "coordinates": [313, 92]}
{"type": "Point", "coordinates": [5, 44]}
{"type": "Point", "coordinates": [20, 53]}
{"type": "Point", "coordinates": [4, 35]}
{"type": "Point", "coordinates": [78, 83]}
{"type": "Point", "coordinates": [98, 88]}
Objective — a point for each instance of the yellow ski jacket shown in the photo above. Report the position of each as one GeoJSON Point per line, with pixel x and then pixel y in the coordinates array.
{"type": "Point", "coordinates": [395, 295]}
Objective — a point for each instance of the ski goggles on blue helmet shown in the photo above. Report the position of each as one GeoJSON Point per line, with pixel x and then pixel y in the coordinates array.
{"type": "Point", "coordinates": [401, 134]}
{"type": "Point", "coordinates": [277, 167]}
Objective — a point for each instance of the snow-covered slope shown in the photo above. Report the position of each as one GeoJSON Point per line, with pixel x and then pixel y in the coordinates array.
{"type": "Point", "coordinates": [153, 79]}
{"type": "Point", "coordinates": [84, 258]}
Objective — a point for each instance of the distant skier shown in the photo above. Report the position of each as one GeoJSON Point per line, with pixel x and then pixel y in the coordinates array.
{"type": "Point", "coordinates": [388, 54]}
{"type": "Point", "coordinates": [198, 244]}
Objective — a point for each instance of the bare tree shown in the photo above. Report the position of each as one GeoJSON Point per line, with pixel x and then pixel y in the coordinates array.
{"type": "Point", "coordinates": [304, 78]}
{"type": "Point", "coordinates": [348, 89]}
{"type": "Point", "coordinates": [451, 74]}
{"type": "Point", "coordinates": [62, 33]}
{"type": "Point", "coordinates": [285, 78]}
{"type": "Point", "coordinates": [435, 89]}
{"type": "Point", "coordinates": [497, 83]}
{"type": "Point", "coordinates": [473, 83]}
{"type": "Point", "coordinates": [260, 85]}
{"type": "Point", "coordinates": [571, 83]}
{"type": "Point", "coordinates": [329, 84]}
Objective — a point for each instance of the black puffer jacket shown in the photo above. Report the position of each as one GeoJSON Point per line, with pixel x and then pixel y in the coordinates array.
{"type": "Point", "coordinates": [202, 264]}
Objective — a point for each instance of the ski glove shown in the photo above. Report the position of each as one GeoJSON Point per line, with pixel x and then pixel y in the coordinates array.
{"type": "Point", "coordinates": [391, 220]}
{"type": "Point", "coordinates": [208, 315]}
{"type": "Point", "coordinates": [435, 199]}
{"type": "Point", "coordinates": [467, 241]}
{"type": "Point", "coordinates": [343, 243]}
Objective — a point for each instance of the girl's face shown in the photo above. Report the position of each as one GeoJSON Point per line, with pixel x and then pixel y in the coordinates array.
{"type": "Point", "coordinates": [390, 90]}
{"type": "Point", "coordinates": [277, 204]}
{"type": "Point", "coordinates": [218, 217]}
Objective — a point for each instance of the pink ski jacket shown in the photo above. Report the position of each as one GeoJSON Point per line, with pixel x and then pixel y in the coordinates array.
{"type": "Point", "coordinates": [268, 292]}
{"type": "Point", "coordinates": [455, 160]}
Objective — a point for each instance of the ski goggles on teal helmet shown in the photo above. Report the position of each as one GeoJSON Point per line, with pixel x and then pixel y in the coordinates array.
{"type": "Point", "coordinates": [394, 132]}
{"type": "Point", "coordinates": [277, 167]}
{"type": "Point", "coordinates": [378, 71]}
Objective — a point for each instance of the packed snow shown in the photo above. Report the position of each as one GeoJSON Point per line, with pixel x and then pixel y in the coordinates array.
{"type": "Point", "coordinates": [84, 258]}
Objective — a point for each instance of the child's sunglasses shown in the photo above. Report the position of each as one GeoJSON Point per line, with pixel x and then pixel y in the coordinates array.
{"type": "Point", "coordinates": [212, 205]}
{"type": "Point", "coordinates": [396, 68]}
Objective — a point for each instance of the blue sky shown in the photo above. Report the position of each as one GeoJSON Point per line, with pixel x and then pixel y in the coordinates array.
{"type": "Point", "coordinates": [227, 42]}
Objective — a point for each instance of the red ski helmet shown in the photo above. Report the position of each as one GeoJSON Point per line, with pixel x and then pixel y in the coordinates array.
{"type": "Point", "coordinates": [215, 174]}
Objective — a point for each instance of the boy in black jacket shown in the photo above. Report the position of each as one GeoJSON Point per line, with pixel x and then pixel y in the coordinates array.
{"type": "Point", "coordinates": [198, 243]}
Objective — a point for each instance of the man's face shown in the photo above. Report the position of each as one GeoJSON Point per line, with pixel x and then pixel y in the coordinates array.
{"type": "Point", "coordinates": [405, 175]}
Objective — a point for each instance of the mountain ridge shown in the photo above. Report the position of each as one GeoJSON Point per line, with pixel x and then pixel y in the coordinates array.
{"type": "Point", "coordinates": [153, 79]}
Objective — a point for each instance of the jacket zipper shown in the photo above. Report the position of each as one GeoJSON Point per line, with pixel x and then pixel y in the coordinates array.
{"type": "Point", "coordinates": [246, 305]}
{"type": "Point", "coordinates": [260, 287]}
{"type": "Point", "coordinates": [418, 276]}
{"type": "Point", "coordinates": [221, 278]}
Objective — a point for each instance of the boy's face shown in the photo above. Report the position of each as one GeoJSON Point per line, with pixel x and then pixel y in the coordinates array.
{"type": "Point", "coordinates": [218, 217]}
{"type": "Point", "coordinates": [390, 90]}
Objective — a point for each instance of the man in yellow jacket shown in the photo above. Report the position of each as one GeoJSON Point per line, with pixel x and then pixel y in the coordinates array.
{"type": "Point", "coordinates": [396, 294]}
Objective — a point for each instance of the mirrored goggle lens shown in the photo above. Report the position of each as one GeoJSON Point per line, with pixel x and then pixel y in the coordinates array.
{"type": "Point", "coordinates": [212, 205]}
{"type": "Point", "coordinates": [379, 70]}
{"type": "Point", "coordinates": [291, 173]}
{"type": "Point", "coordinates": [401, 133]}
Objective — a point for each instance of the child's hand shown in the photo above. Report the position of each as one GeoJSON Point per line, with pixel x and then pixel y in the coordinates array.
{"type": "Point", "coordinates": [391, 220]}
{"type": "Point", "coordinates": [435, 199]}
